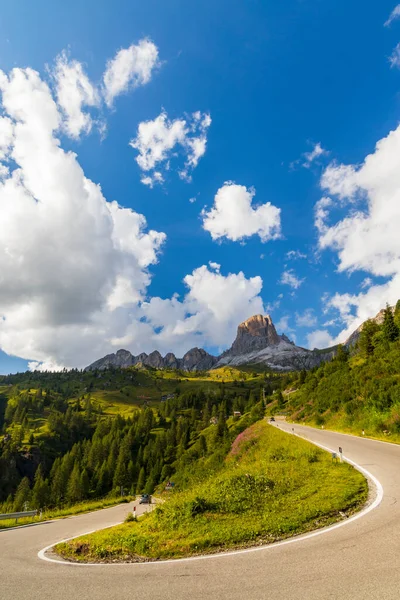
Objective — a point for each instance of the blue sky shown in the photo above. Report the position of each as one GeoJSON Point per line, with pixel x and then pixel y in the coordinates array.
{"type": "Point", "coordinates": [276, 79]}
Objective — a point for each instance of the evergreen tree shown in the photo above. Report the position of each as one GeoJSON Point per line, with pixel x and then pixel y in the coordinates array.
{"type": "Point", "coordinates": [202, 445]}
{"type": "Point", "coordinates": [41, 490]}
{"type": "Point", "coordinates": [365, 342]}
{"type": "Point", "coordinates": [22, 495]}
{"type": "Point", "coordinates": [342, 354]}
{"type": "Point", "coordinates": [141, 481]}
{"type": "Point", "coordinates": [85, 483]}
{"type": "Point", "coordinates": [74, 489]}
{"type": "Point", "coordinates": [397, 313]}
{"type": "Point", "coordinates": [280, 400]}
{"type": "Point", "coordinates": [390, 329]}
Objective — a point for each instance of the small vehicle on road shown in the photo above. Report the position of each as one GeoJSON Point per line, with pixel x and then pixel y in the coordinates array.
{"type": "Point", "coordinates": [272, 420]}
{"type": "Point", "coordinates": [145, 499]}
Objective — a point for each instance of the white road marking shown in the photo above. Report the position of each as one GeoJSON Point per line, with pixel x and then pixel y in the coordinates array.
{"type": "Point", "coordinates": [363, 513]}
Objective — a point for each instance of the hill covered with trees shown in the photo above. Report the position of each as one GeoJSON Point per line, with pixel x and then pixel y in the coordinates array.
{"type": "Point", "coordinates": [73, 436]}
{"type": "Point", "coordinates": [359, 390]}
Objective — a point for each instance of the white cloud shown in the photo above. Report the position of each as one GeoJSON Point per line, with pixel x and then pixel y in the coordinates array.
{"type": "Point", "coordinates": [394, 15]}
{"type": "Point", "coordinates": [69, 260]}
{"type": "Point", "coordinates": [234, 217]}
{"type": "Point", "coordinates": [320, 338]}
{"type": "Point", "coordinates": [290, 278]}
{"type": "Point", "coordinates": [366, 238]}
{"type": "Point", "coordinates": [315, 153]}
{"type": "Point", "coordinates": [131, 67]}
{"type": "Point", "coordinates": [158, 141]}
{"type": "Point", "coordinates": [156, 177]}
{"type": "Point", "coordinates": [295, 255]}
{"type": "Point", "coordinates": [215, 266]}
{"type": "Point", "coordinates": [74, 268]}
{"type": "Point", "coordinates": [394, 58]}
{"type": "Point", "coordinates": [366, 283]}
{"type": "Point", "coordinates": [209, 313]}
{"type": "Point", "coordinates": [192, 200]}
{"type": "Point", "coordinates": [74, 91]}
{"type": "Point", "coordinates": [321, 213]}
{"type": "Point", "coordinates": [283, 324]}
{"type": "Point", "coordinates": [307, 319]}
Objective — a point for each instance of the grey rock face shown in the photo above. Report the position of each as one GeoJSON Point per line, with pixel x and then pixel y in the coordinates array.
{"type": "Point", "coordinates": [198, 359]}
{"type": "Point", "coordinates": [256, 342]}
{"type": "Point", "coordinates": [154, 360]}
{"type": "Point", "coordinates": [256, 333]}
{"type": "Point", "coordinates": [170, 361]}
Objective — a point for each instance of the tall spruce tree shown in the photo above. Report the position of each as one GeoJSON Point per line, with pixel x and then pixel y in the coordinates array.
{"type": "Point", "coordinates": [22, 495]}
{"type": "Point", "coordinates": [390, 329]}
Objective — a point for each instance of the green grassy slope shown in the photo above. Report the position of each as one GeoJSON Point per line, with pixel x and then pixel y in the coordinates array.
{"type": "Point", "coordinates": [270, 485]}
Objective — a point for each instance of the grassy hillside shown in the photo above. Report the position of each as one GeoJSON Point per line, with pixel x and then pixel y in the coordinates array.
{"type": "Point", "coordinates": [357, 391]}
{"type": "Point", "coordinates": [270, 485]}
{"type": "Point", "coordinates": [79, 436]}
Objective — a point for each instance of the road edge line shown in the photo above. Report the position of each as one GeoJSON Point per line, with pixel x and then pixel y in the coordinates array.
{"type": "Point", "coordinates": [367, 509]}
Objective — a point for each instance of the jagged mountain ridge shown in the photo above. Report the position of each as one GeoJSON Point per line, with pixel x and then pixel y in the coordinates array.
{"type": "Point", "coordinates": [195, 359]}
{"type": "Point", "coordinates": [256, 342]}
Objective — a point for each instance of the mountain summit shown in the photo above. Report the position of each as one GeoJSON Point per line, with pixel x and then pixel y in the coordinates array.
{"type": "Point", "coordinates": [255, 334]}
{"type": "Point", "coordinates": [256, 342]}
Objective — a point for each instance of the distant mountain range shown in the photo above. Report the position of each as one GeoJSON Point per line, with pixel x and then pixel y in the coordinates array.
{"type": "Point", "coordinates": [257, 342]}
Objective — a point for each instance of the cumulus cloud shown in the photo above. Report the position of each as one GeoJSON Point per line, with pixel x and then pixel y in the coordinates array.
{"type": "Point", "coordinates": [308, 158]}
{"type": "Point", "coordinates": [295, 255]}
{"type": "Point", "coordinates": [394, 15]}
{"type": "Point", "coordinates": [290, 278]}
{"type": "Point", "coordinates": [75, 268]}
{"type": "Point", "coordinates": [320, 338]}
{"type": "Point", "coordinates": [131, 67]}
{"type": "Point", "coordinates": [366, 238]}
{"type": "Point", "coordinates": [74, 91]}
{"type": "Point", "coordinates": [69, 260]}
{"type": "Point", "coordinates": [233, 217]}
{"type": "Point", "coordinates": [306, 319]}
{"type": "Point", "coordinates": [314, 154]}
{"type": "Point", "coordinates": [321, 213]}
{"type": "Point", "coordinates": [394, 58]}
{"type": "Point", "coordinates": [160, 140]}
{"type": "Point", "coordinates": [210, 311]}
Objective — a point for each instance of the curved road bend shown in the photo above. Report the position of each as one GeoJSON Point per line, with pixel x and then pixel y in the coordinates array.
{"type": "Point", "coordinates": [358, 561]}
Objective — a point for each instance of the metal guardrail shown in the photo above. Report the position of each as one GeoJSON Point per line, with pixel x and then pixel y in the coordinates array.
{"type": "Point", "coordinates": [19, 515]}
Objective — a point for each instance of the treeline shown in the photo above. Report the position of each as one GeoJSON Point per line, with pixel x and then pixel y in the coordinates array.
{"type": "Point", "coordinates": [82, 454]}
{"type": "Point", "coordinates": [360, 387]}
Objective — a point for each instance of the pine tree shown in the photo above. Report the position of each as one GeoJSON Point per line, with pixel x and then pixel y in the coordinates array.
{"type": "Point", "coordinates": [280, 400]}
{"type": "Point", "coordinates": [41, 490]}
{"type": "Point", "coordinates": [59, 482]}
{"type": "Point", "coordinates": [365, 342]}
{"type": "Point", "coordinates": [74, 489]}
{"type": "Point", "coordinates": [390, 329]}
{"type": "Point", "coordinates": [342, 354]}
{"type": "Point", "coordinates": [397, 314]}
{"type": "Point", "coordinates": [141, 481]}
{"type": "Point", "coordinates": [22, 495]}
{"type": "Point", "coordinates": [202, 445]}
{"type": "Point", "coordinates": [85, 483]}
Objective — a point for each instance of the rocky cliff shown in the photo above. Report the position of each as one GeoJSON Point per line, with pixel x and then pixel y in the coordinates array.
{"type": "Point", "coordinates": [196, 359]}
{"type": "Point", "coordinates": [257, 342]}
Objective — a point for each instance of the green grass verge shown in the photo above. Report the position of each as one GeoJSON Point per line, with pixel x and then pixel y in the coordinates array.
{"type": "Point", "coordinates": [69, 511]}
{"type": "Point", "coordinates": [271, 486]}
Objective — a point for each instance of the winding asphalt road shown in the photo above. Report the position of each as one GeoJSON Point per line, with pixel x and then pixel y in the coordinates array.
{"type": "Point", "coordinates": [359, 561]}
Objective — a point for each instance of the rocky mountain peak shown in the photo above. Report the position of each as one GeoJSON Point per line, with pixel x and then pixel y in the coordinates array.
{"type": "Point", "coordinates": [255, 333]}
